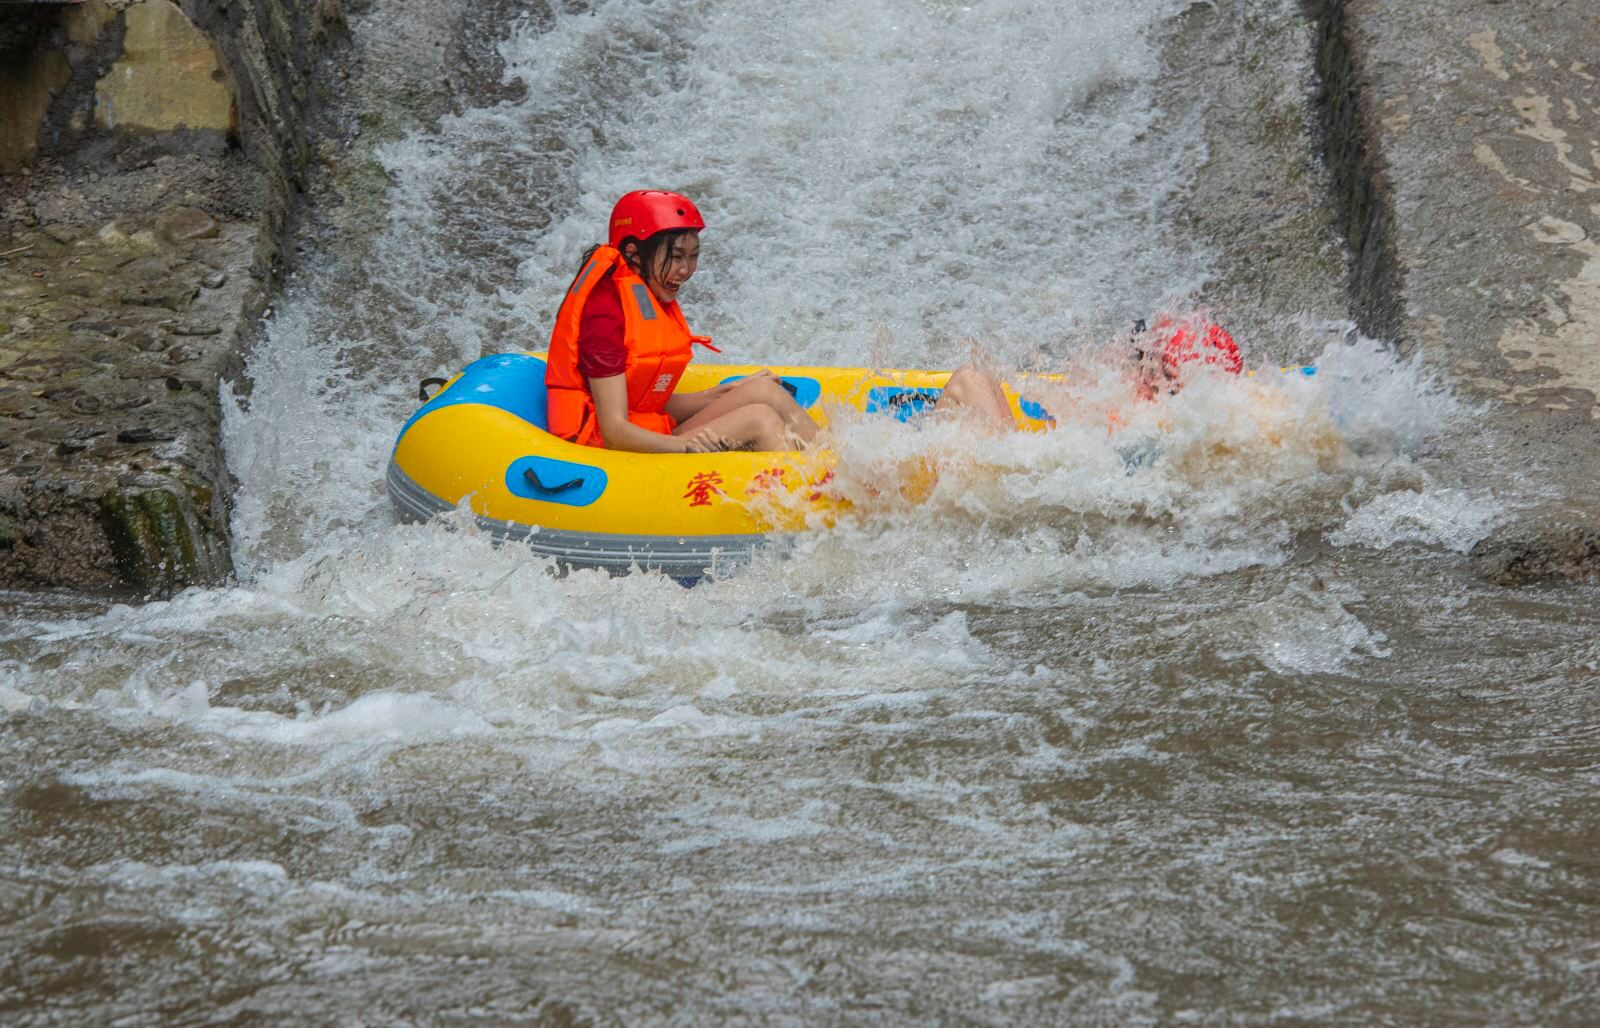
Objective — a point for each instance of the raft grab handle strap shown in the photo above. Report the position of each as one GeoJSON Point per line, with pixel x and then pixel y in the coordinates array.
{"type": "Point", "coordinates": [533, 480]}
{"type": "Point", "coordinates": [422, 388]}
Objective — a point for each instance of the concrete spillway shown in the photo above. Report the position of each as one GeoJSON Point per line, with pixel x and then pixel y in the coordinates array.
{"type": "Point", "coordinates": [1448, 152]}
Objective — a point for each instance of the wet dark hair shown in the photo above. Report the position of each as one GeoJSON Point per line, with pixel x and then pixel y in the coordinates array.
{"type": "Point", "coordinates": [650, 254]}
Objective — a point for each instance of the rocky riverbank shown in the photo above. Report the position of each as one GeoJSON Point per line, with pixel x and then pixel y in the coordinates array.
{"type": "Point", "coordinates": [154, 154]}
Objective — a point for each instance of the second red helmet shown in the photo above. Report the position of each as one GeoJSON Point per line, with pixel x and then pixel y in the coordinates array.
{"type": "Point", "coordinates": [644, 212]}
{"type": "Point", "coordinates": [1198, 339]}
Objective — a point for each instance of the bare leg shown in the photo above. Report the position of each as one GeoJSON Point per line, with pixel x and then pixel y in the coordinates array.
{"type": "Point", "coordinates": [762, 391]}
{"type": "Point", "coordinates": [753, 426]}
{"type": "Point", "coordinates": [974, 391]}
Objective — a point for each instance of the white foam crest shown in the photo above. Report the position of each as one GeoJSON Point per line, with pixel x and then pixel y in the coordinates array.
{"type": "Point", "coordinates": [309, 446]}
{"type": "Point", "coordinates": [15, 701]}
{"type": "Point", "coordinates": [1307, 628]}
{"type": "Point", "coordinates": [425, 631]}
{"type": "Point", "coordinates": [252, 877]}
{"type": "Point", "coordinates": [716, 827]}
{"type": "Point", "coordinates": [387, 716]}
{"type": "Point", "coordinates": [1384, 402]}
{"type": "Point", "coordinates": [1121, 492]}
{"type": "Point", "coordinates": [1448, 518]}
{"type": "Point", "coordinates": [213, 791]}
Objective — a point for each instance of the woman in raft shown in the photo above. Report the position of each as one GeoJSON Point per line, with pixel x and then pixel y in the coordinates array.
{"type": "Point", "coordinates": [620, 345]}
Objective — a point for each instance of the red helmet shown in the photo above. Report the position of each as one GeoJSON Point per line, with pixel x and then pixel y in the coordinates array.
{"type": "Point", "coordinates": [1200, 340]}
{"type": "Point", "coordinates": [644, 212]}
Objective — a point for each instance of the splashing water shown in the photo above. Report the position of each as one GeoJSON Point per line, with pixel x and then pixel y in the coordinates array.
{"type": "Point", "coordinates": [1087, 720]}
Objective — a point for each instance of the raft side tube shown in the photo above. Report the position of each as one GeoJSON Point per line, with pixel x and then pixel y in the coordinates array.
{"type": "Point", "coordinates": [513, 382]}
{"type": "Point", "coordinates": [680, 557]}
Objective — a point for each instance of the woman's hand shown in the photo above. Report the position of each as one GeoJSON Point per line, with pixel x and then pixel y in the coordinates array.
{"type": "Point", "coordinates": [703, 441]}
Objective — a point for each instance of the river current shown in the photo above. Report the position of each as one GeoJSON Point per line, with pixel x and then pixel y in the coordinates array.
{"type": "Point", "coordinates": [1185, 712]}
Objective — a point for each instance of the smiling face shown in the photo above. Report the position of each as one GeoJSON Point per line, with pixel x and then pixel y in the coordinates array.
{"type": "Point", "coordinates": [666, 263]}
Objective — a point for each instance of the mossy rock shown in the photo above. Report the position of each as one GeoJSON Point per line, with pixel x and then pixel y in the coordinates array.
{"type": "Point", "coordinates": [160, 541]}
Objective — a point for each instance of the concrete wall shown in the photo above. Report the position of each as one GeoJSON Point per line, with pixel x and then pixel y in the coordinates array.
{"type": "Point", "coordinates": [1464, 139]}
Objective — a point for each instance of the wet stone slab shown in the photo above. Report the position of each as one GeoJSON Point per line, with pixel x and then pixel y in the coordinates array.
{"type": "Point", "coordinates": [113, 340]}
{"type": "Point", "coordinates": [1484, 118]}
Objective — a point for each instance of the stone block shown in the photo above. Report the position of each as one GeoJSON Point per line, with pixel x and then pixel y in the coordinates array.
{"type": "Point", "coordinates": [182, 224]}
{"type": "Point", "coordinates": [169, 76]}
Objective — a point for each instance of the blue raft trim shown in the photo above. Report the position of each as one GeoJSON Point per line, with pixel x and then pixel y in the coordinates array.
{"type": "Point", "coordinates": [512, 382]}
{"type": "Point", "coordinates": [556, 477]}
{"type": "Point", "coordinates": [1035, 410]}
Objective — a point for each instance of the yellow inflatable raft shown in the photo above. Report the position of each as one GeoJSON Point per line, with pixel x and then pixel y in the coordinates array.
{"type": "Point", "coordinates": [483, 438]}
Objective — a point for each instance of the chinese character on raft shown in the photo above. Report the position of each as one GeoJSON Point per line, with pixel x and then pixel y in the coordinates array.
{"type": "Point", "coordinates": [702, 487]}
{"type": "Point", "coordinates": [766, 480]}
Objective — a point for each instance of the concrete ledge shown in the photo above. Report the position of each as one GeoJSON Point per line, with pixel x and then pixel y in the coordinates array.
{"type": "Point", "coordinates": [113, 340]}
{"type": "Point", "coordinates": [1464, 137]}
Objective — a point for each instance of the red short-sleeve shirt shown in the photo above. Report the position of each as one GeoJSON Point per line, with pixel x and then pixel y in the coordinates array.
{"type": "Point", "coordinates": [601, 351]}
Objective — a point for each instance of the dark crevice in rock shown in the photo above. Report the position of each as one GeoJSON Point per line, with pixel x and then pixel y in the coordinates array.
{"type": "Point", "coordinates": [1353, 152]}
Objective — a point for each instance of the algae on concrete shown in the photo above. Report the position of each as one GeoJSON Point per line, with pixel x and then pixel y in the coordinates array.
{"type": "Point", "coordinates": [158, 542]}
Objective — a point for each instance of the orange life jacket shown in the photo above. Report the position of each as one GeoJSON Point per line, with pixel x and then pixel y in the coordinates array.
{"type": "Point", "coordinates": [659, 346]}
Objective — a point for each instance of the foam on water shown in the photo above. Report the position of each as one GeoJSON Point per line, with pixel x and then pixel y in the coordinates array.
{"type": "Point", "coordinates": [413, 632]}
{"type": "Point", "coordinates": [882, 182]}
{"type": "Point", "coordinates": [906, 168]}
{"type": "Point", "coordinates": [1132, 717]}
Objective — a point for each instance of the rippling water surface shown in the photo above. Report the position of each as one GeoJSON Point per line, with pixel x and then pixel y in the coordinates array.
{"type": "Point", "coordinates": [1186, 711]}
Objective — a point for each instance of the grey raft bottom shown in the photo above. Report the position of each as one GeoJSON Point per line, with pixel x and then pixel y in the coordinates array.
{"type": "Point", "coordinates": [678, 556]}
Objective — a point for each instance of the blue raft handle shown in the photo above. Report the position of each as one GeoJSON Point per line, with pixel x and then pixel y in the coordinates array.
{"type": "Point", "coordinates": [533, 480]}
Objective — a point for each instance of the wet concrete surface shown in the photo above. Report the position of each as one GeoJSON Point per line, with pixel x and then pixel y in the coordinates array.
{"type": "Point", "coordinates": [113, 339]}
{"type": "Point", "coordinates": [135, 262]}
{"type": "Point", "coordinates": [1483, 130]}
{"type": "Point", "coordinates": [1260, 193]}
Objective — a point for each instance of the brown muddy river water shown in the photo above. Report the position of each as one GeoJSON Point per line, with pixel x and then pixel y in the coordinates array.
{"type": "Point", "coordinates": [1199, 716]}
